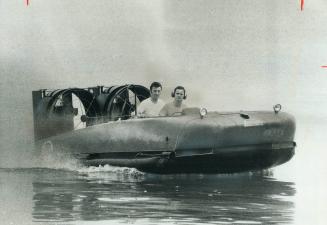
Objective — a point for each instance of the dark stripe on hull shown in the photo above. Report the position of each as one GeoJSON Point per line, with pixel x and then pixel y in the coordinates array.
{"type": "Point", "coordinates": [222, 160]}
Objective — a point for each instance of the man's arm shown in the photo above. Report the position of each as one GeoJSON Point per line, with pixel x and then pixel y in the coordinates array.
{"type": "Point", "coordinates": [141, 110]}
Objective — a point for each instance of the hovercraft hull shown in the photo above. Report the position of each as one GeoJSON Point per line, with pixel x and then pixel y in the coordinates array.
{"type": "Point", "coordinates": [216, 143]}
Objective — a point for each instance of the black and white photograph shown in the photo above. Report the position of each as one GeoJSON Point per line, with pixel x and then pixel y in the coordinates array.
{"type": "Point", "coordinates": [163, 112]}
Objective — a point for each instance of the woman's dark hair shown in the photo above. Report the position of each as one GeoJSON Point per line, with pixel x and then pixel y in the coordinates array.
{"type": "Point", "coordinates": [178, 88]}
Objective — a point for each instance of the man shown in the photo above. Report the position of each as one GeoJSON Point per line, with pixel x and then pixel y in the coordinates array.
{"type": "Point", "coordinates": [151, 107]}
{"type": "Point", "coordinates": [175, 107]}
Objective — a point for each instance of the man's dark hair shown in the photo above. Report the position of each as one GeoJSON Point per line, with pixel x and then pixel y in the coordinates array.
{"type": "Point", "coordinates": [155, 84]}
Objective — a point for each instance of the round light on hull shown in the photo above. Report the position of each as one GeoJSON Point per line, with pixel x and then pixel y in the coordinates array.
{"type": "Point", "coordinates": [277, 108]}
{"type": "Point", "coordinates": [203, 112]}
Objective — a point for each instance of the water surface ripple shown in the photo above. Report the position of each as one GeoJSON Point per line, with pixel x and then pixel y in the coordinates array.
{"type": "Point", "coordinates": [129, 196]}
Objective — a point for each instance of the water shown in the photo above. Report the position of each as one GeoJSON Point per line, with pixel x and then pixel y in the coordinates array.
{"type": "Point", "coordinates": [92, 195]}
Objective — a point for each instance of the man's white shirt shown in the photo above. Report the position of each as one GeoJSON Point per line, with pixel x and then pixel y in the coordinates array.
{"type": "Point", "coordinates": [148, 108]}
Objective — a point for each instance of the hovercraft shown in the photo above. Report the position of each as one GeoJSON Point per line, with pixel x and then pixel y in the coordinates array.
{"type": "Point", "coordinates": [97, 126]}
